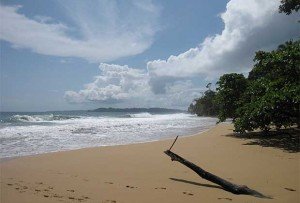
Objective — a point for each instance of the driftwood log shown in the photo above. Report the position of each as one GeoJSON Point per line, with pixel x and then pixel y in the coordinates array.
{"type": "Point", "coordinates": [228, 186]}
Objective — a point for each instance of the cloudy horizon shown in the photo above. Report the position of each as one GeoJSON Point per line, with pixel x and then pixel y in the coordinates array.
{"type": "Point", "coordinates": [135, 54]}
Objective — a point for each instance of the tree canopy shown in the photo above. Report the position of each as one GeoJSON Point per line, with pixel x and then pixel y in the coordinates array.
{"type": "Point", "coordinates": [288, 6]}
{"type": "Point", "coordinates": [205, 105]}
{"type": "Point", "coordinates": [269, 96]}
{"type": "Point", "coordinates": [273, 94]}
{"type": "Point", "coordinates": [229, 92]}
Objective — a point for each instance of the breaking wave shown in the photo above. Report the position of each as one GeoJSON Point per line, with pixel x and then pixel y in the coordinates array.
{"type": "Point", "coordinates": [40, 118]}
{"type": "Point", "coordinates": [139, 115]}
{"type": "Point", "coordinates": [27, 134]}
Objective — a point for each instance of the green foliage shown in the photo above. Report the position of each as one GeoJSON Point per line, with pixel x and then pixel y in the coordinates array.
{"type": "Point", "coordinates": [270, 96]}
{"type": "Point", "coordinates": [205, 105]}
{"type": "Point", "coordinates": [229, 92]}
{"type": "Point", "coordinates": [273, 94]}
{"type": "Point", "coordinates": [288, 6]}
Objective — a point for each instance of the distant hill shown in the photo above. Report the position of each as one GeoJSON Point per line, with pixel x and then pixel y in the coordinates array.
{"type": "Point", "coordinates": [139, 110]}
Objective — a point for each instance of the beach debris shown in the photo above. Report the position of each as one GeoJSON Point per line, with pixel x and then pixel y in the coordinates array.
{"type": "Point", "coordinates": [173, 143]}
{"type": "Point", "coordinates": [226, 185]}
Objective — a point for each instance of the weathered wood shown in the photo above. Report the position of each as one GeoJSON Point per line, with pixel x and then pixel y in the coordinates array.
{"type": "Point", "coordinates": [228, 186]}
{"type": "Point", "coordinates": [173, 143]}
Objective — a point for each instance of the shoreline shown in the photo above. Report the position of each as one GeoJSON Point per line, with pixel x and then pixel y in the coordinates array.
{"type": "Point", "coordinates": [143, 173]}
{"type": "Point", "coordinates": [4, 159]}
{"type": "Point", "coordinates": [73, 132]}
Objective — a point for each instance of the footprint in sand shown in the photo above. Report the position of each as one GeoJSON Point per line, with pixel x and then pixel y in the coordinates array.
{"type": "Point", "coordinates": [109, 201]}
{"type": "Point", "coordinates": [161, 188]}
{"type": "Point", "coordinates": [131, 187]}
{"type": "Point", "coordinates": [225, 198]}
{"type": "Point", "coordinates": [57, 196]}
{"type": "Point", "coordinates": [188, 193]}
{"type": "Point", "coordinates": [289, 189]}
{"type": "Point", "coordinates": [109, 183]}
{"type": "Point", "coordinates": [71, 190]}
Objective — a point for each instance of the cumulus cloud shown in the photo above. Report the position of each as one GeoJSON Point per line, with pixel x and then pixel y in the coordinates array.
{"type": "Point", "coordinates": [100, 30]}
{"type": "Point", "coordinates": [249, 26]}
{"type": "Point", "coordinates": [129, 86]}
{"type": "Point", "coordinates": [114, 84]}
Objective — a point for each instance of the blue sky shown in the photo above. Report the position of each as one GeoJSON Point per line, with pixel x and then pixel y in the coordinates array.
{"type": "Point", "coordinates": [88, 54]}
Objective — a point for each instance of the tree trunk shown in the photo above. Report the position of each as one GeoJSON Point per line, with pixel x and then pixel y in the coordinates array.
{"type": "Point", "coordinates": [236, 189]}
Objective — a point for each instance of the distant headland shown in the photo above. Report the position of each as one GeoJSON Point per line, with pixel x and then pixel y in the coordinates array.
{"type": "Point", "coordinates": [139, 110]}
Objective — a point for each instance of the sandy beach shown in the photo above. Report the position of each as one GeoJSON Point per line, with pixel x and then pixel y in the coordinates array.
{"type": "Point", "coordinates": [143, 173]}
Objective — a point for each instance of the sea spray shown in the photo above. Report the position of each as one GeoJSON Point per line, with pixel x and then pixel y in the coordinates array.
{"type": "Point", "coordinates": [35, 133]}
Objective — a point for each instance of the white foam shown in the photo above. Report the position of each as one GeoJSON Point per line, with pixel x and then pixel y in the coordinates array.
{"type": "Point", "coordinates": [139, 115]}
{"type": "Point", "coordinates": [84, 132]}
{"type": "Point", "coordinates": [26, 118]}
{"type": "Point", "coordinates": [40, 118]}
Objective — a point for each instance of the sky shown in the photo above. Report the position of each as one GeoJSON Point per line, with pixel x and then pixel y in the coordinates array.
{"type": "Point", "coordinates": [72, 54]}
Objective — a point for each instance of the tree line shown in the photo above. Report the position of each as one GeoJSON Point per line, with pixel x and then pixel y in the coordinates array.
{"type": "Point", "coordinates": [268, 97]}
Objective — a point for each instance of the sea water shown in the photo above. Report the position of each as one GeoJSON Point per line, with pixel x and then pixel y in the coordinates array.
{"type": "Point", "coordinates": [35, 133]}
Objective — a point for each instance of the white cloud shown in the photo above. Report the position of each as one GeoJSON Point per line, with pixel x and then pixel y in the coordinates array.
{"type": "Point", "coordinates": [249, 26]}
{"type": "Point", "coordinates": [105, 30]}
{"type": "Point", "coordinates": [115, 83]}
{"type": "Point", "coordinates": [120, 84]}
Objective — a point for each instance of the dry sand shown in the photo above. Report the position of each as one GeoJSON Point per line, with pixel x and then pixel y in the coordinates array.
{"type": "Point", "coordinates": [143, 173]}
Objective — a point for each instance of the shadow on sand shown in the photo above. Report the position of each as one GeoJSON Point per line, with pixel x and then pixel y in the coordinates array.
{"type": "Point", "coordinates": [287, 139]}
{"type": "Point", "coordinates": [255, 193]}
{"type": "Point", "coordinates": [195, 183]}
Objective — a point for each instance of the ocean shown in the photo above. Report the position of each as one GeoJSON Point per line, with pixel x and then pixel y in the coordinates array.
{"type": "Point", "coordinates": [24, 134]}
